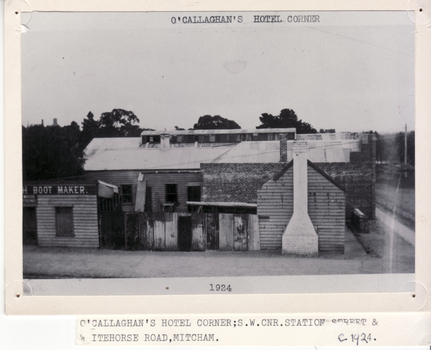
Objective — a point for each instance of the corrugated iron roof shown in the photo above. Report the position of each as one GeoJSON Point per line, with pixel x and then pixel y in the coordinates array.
{"type": "Point", "coordinates": [129, 154]}
{"type": "Point", "coordinates": [328, 151]}
{"type": "Point", "coordinates": [252, 152]}
{"type": "Point", "coordinates": [125, 154]}
{"type": "Point", "coordinates": [219, 131]}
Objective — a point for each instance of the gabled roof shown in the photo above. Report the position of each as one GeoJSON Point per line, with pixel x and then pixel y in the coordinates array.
{"type": "Point", "coordinates": [282, 171]}
{"type": "Point", "coordinates": [315, 167]}
{"type": "Point", "coordinates": [325, 175]}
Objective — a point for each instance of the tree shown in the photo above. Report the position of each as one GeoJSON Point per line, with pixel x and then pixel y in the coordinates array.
{"type": "Point", "coordinates": [286, 119]}
{"type": "Point", "coordinates": [51, 152]}
{"type": "Point", "coordinates": [208, 122]}
{"type": "Point", "coordinates": [119, 123]}
{"type": "Point", "coordinates": [90, 128]}
{"type": "Point", "coordinates": [57, 152]}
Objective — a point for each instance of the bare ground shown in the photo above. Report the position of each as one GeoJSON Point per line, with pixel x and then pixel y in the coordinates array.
{"type": "Point", "coordinates": [46, 262]}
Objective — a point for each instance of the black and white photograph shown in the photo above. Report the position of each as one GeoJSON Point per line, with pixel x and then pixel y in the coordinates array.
{"type": "Point", "coordinates": [245, 149]}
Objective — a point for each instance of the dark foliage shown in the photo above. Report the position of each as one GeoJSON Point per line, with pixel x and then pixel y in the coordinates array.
{"type": "Point", "coordinates": [57, 152]}
{"type": "Point", "coordinates": [51, 152]}
{"type": "Point", "coordinates": [208, 122]}
{"type": "Point", "coordinates": [90, 129]}
{"type": "Point", "coordinates": [286, 119]}
{"type": "Point", "coordinates": [119, 123]}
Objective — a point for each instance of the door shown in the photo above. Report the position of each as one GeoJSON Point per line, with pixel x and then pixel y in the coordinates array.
{"type": "Point", "coordinates": [185, 233]}
{"type": "Point", "coordinates": [240, 232]}
{"type": "Point", "coordinates": [29, 226]}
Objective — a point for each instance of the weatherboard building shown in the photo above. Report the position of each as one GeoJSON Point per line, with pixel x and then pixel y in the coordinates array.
{"type": "Point", "coordinates": [219, 190]}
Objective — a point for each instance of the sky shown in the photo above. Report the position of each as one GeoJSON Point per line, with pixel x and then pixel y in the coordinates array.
{"type": "Point", "coordinates": [349, 71]}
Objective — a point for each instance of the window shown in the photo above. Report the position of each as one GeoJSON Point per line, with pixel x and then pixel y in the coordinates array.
{"type": "Point", "coordinates": [64, 221]}
{"type": "Point", "coordinates": [153, 138]}
{"type": "Point", "coordinates": [194, 193]}
{"type": "Point", "coordinates": [126, 192]}
{"type": "Point", "coordinates": [171, 193]}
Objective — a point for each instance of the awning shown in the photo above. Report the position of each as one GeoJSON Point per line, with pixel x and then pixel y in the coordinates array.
{"type": "Point", "coordinates": [224, 204]}
{"type": "Point", "coordinates": [106, 190]}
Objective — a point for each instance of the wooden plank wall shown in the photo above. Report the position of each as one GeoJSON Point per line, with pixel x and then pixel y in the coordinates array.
{"type": "Point", "coordinates": [326, 208]}
{"type": "Point", "coordinates": [146, 231]}
{"type": "Point", "coordinates": [253, 233]}
{"type": "Point", "coordinates": [238, 232]}
{"type": "Point", "coordinates": [226, 232]}
{"type": "Point", "coordinates": [157, 183]}
{"type": "Point", "coordinates": [274, 209]}
{"type": "Point", "coordinates": [199, 237]}
{"type": "Point", "coordinates": [85, 223]}
{"type": "Point", "coordinates": [171, 231]}
{"type": "Point", "coordinates": [159, 231]}
{"type": "Point", "coordinates": [327, 211]}
{"type": "Point", "coordinates": [211, 229]}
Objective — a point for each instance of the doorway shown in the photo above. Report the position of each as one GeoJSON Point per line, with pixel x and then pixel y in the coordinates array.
{"type": "Point", "coordinates": [185, 233]}
{"type": "Point", "coordinates": [29, 226]}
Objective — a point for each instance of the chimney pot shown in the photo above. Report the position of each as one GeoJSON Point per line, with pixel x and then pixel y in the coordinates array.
{"type": "Point", "coordinates": [164, 142]}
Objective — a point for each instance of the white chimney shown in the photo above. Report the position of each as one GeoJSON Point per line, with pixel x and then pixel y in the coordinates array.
{"type": "Point", "coordinates": [300, 237]}
{"type": "Point", "coordinates": [164, 142]}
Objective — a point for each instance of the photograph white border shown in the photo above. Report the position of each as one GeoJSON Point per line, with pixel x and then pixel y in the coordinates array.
{"type": "Point", "coordinates": [244, 303]}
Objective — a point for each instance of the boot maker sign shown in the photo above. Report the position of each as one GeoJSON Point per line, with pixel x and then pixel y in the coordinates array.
{"type": "Point", "coordinates": [30, 192]}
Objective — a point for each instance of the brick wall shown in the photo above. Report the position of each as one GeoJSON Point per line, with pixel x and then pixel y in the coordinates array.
{"type": "Point", "coordinates": [240, 182]}
{"type": "Point", "coordinates": [235, 182]}
{"type": "Point", "coordinates": [358, 177]}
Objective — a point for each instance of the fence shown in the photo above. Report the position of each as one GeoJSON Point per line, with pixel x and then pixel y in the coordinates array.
{"type": "Point", "coordinates": [191, 231]}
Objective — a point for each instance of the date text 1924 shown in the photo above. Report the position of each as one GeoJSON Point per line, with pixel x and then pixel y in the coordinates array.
{"type": "Point", "coordinates": [220, 288]}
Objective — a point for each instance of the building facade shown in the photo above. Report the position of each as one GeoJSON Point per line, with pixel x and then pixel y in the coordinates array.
{"type": "Point", "coordinates": [205, 189]}
{"type": "Point", "coordinates": [60, 214]}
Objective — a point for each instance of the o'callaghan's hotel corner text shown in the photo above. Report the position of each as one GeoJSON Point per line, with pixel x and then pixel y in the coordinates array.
{"type": "Point", "coordinates": [245, 18]}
